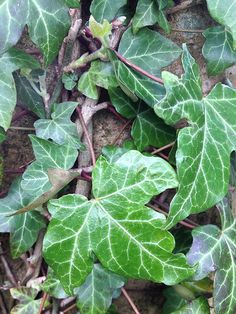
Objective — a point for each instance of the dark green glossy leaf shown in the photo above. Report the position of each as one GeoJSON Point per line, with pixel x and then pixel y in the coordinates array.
{"type": "Point", "coordinates": [60, 128]}
{"type": "Point", "coordinates": [28, 97]}
{"type": "Point", "coordinates": [143, 87]}
{"type": "Point", "coordinates": [211, 134]}
{"type": "Point", "coordinates": [115, 225]}
{"type": "Point", "coordinates": [173, 301]}
{"type": "Point", "coordinates": [148, 49]}
{"type": "Point", "coordinates": [224, 12]}
{"type": "Point", "coordinates": [48, 155]}
{"type": "Point", "coordinates": [106, 9]}
{"type": "Point", "coordinates": [96, 294]}
{"type": "Point", "coordinates": [11, 61]}
{"type": "Point", "coordinates": [215, 250]}
{"type": "Point", "coordinates": [218, 49]}
{"type": "Point", "coordinates": [24, 228]}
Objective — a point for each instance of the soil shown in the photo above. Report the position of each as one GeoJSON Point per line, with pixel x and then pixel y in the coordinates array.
{"type": "Point", "coordinates": [17, 151]}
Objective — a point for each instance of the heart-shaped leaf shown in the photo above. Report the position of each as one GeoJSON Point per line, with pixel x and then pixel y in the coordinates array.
{"type": "Point", "coordinates": [211, 134]}
{"type": "Point", "coordinates": [115, 225]}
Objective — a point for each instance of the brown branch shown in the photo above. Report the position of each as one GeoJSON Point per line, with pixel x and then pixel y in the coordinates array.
{"type": "Point", "coordinates": [183, 6]}
{"type": "Point", "coordinates": [44, 298]}
{"type": "Point", "coordinates": [136, 311]}
{"type": "Point", "coordinates": [11, 277]}
{"type": "Point", "coordinates": [90, 145]}
{"type": "Point", "coordinates": [137, 68]}
{"type": "Point", "coordinates": [156, 151]}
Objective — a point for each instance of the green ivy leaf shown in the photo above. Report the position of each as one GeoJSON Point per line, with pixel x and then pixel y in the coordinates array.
{"type": "Point", "coordinates": [2, 135]}
{"type": "Point", "coordinates": [28, 97]}
{"type": "Point", "coordinates": [214, 250]}
{"type": "Point", "coordinates": [147, 128]}
{"type": "Point", "coordinates": [115, 225]}
{"type": "Point", "coordinates": [148, 49]}
{"type": "Point", "coordinates": [69, 80]}
{"type": "Point", "coordinates": [60, 128]}
{"type": "Point", "coordinates": [48, 155]}
{"type": "Point", "coordinates": [173, 301]}
{"type": "Point", "coordinates": [11, 61]}
{"type": "Point", "coordinates": [164, 4]}
{"type": "Point", "coordinates": [24, 228]}
{"type": "Point", "coordinates": [203, 182]}
{"type": "Point", "coordinates": [148, 12]}
{"type": "Point", "coordinates": [48, 24]}
{"type": "Point", "coordinates": [27, 303]}
{"type": "Point", "coordinates": [53, 286]}
{"type": "Point", "coordinates": [106, 9]}
{"type": "Point", "coordinates": [199, 305]}
{"type": "Point", "coordinates": [218, 49]}
{"type": "Point", "coordinates": [72, 3]}
{"type": "Point", "coordinates": [223, 12]}
{"type": "Point", "coordinates": [96, 294]}
{"type": "Point", "coordinates": [99, 74]}
{"type": "Point", "coordinates": [143, 87]}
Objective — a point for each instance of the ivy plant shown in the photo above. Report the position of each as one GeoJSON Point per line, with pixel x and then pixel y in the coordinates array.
{"type": "Point", "coordinates": [86, 219]}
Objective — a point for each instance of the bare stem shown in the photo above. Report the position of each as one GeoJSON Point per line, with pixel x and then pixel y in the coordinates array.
{"type": "Point", "coordinates": [128, 298]}
{"type": "Point", "coordinates": [21, 128]}
{"type": "Point", "coordinates": [11, 277]}
{"type": "Point", "coordinates": [156, 151]}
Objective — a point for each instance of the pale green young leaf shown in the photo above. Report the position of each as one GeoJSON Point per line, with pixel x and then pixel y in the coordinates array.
{"type": "Point", "coordinates": [142, 86]}
{"type": "Point", "coordinates": [211, 134]}
{"type": "Point", "coordinates": [24, 228]}
{"type": "Point", "coordinates": [100, 30]}
{"type": "Point", "coordinates": [96, 293]}
{"type": "Point", "coordinates": [223, 11]}
{"type": "Point", "coordinates": [214, 250]}
{"type": "Point", "coordinates": [10, 61]}
{"type": "Point", "coordinates": [218, 49]}
{"type": "Point", "coordinates": [115, 225]}
{"type": "Point", "coordinates": [48, 155]}
{"type": "Point", "coordinates": [197, 306]}
{"type": "Point", "coordinates": [27, 303]}
{"type": "Point", "coordinates": [148, 49]}
{"type": "Point", "coordinates": [60, 128]}
{"type": "Point", "coordinates": [106, 9]}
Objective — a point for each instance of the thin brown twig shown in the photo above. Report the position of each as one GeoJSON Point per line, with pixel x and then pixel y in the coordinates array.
{"type": "Point", "coordinates": [11, 277]}
{"type": "Point", "coordinates": [156, 151]}
{"type": "Point", "coordinates": [183, 30]}
{"type": "Point", "coordinates": [163, 156]}
{"type": "Point", "coordinates": [121, 131]}
{"type": "Point", "coordinates": [44, 298]}
{"type": "Point", "coordinates": [136, 311]}
{"type": "Point", "coordinates": [136, 68]}
{"type": "Point", "coordinates": [71, 307]}
{"type": "Point", "coordinates": [87, 136]}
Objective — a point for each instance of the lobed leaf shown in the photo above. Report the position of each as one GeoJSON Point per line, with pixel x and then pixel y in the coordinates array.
{"type": "Point", "coordinates": [115, 225]}
{"type": "Point", "coordinates": [211, 134]}
{"type": "Point", "coordinates": [60, 128]}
